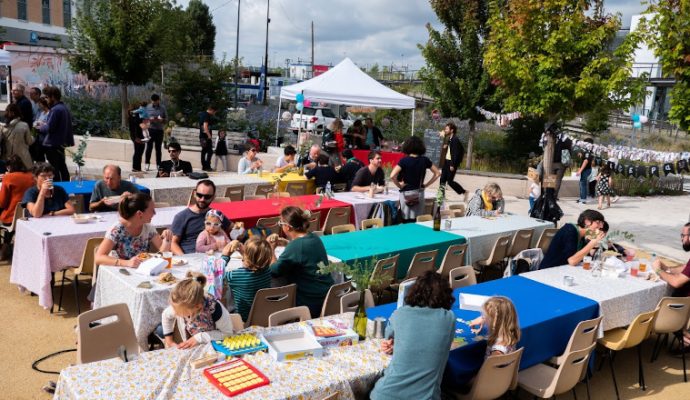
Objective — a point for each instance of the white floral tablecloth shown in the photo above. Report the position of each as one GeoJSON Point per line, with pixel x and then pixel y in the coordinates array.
{"type": "Point", "coordinates": [362, 203]}
{"type": "Point", "coordinates": [50, 244]}
{"type": "Point", "coordinates": [481, 233]}
{"type": "Point", "coordinates": [175, 191]}
{"type": "Point", "coordinates": [166, 374]}
{"type": "Point", "coordinates": [620, 299]}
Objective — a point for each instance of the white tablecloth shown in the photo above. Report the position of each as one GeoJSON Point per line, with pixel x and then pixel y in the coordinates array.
{"type": "Point", "coordinates": [176, 191]}
{"type": "Point", "coordinates": [362, 203]}
{"type": "Point", "coordinates": [620, 299]}
{"type": "Point", "coordinates": [481, 233]}
{"type": "Point", "coordinates": [50, 244]}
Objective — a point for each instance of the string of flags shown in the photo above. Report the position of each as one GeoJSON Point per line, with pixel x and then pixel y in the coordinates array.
{"type": "Point", "coordinates": [502, 120]}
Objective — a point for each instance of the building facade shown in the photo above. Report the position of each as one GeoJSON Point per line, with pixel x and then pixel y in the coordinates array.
{"type": "Point", "coordinates": [36, 22]}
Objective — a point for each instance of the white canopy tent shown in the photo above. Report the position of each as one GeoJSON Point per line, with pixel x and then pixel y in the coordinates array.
{"type": "Point", "coordinates": [346, 84]}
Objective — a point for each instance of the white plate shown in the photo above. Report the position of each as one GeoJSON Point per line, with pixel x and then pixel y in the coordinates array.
{"type": "Point", "coordinates": [112, 199]}
{"type": "Point", "coordinates": [178, 262]}
{"type": "Point", "coordinates": [81, 220]}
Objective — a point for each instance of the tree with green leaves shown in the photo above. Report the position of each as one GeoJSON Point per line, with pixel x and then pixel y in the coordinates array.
{"type": "Point", "coordinates": [553, 59]}
{"type": "Point", "coordinates": [669, 35]}
{"type": "Point", "coordinates": [203, 30]}
{"type": "Point", "coordinates": [125, 42]}
{"type": "Point", "coordinates": [455, 75]}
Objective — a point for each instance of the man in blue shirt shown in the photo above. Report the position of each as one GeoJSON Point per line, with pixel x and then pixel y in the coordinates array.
{"type": "Point", "coordinates": [45, 198]}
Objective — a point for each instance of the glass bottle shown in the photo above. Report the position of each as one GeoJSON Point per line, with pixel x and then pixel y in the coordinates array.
{"type": "Point", "coordinates": [360, 324]}
{"type": "Point", "coordinates": [437, 218]}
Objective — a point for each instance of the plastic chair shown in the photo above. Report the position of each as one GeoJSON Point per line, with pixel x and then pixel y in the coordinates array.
{"type": "Point", "coordinates": [384, 270]}
{"type": "Point", "coordinates": [521, 241]}
{"type": "Point", "coordinates": [318, 233]}
{"type": "Point", "coordinates": [334, 396]}
{"type": "Point", "coordinates": [429, 206]}
{"type": "Point", "coordinates": [191, 198]}
{"type": "Point", "coordinates": [545, 381]}
{"type": "Point", "coordinates": [160, 204]}
{"type": "Point", "coordinates": [458, 207]}
{"type": "Point", "coordinates": [545, 238]}
{"type": "Point", "coordinates": [103, 341]}
{"type": "Point", "coordinates": [497, 375]}
{"type": "Point", "coordinates": [498, 253]}
{"type": "Point", "coordinates": [314, 221]}
{"type": "Point", "coordinates": [289, 315]}
{"type": "Point", "coordinates": [462, 277]}
{"type": "Point", "coordinates": [672, 317]}
{"type": "Point", "coordinates": [342, 229]}
{"type": "Point", "coordinates": [270, 223]}
{"type": "Point", "coordinates": [331, 305]}
{"type": "Point", "coordinates": [8, 231]}
{"type": "Point", "coordinates": [296, 188]}
{"type": "Point", "coordinates": [624, 338]}
{"type": "Point", "coordinates": [255, 197]}
{"type": "Point", "coordinates": [350, 301]}
{"type": "Point", "coordinates": [422, 262]}
{"type": "Point", "coordinates": [222, 200]}
{"type": "Point", "coordinates": [85, 268]}
{"type": "Point", "coordinates": [339, 187]}
{"type": "Point", "coordinates": [78, 203]}
{"type": "Point", "coordinates": [264, 189]}
{"type": "Point", "coordinates": [336, 216]}
{"type": "Point", "coordinates": [424, 218]}
{"type": "Point", "coordinates": [454, 257]}
{"type": "Point", "coordinates": [234, 193]}
{"type": "Point", "coordinates": [447, 214]}
{"type": "Point", "coordinates": [267, 301]}
{"type": "Point", "coordinates": [372, 223]}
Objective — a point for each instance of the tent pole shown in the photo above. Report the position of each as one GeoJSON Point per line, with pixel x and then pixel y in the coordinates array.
{"type": "Point", "coordinates": [9, 84]}
{"type": "Point", "coordinates": [412, 133]}
{"type": "Point", "coordinates": [280, 102]}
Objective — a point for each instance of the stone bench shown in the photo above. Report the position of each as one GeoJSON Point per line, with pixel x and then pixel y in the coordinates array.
{"type": "Point", "coordinates": [188, 138]}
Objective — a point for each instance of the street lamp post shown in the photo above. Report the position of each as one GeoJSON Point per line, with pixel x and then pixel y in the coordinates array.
{"type": "Point", "coordinates": [237, 57]}
{"type": "Point", "coordinates": [268, 21]}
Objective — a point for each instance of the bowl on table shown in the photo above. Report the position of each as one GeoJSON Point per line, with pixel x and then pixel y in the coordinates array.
{"type": "Point", "coordinates": [81, 218]}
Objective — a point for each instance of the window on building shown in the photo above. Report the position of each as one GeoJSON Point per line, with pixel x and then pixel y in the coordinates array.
{"type": "Point", "coordinates": [67, 13]}
{"type": "Point", "coordinates": [45, 7]}
{"type": "Point", "coordinates": [21, 10]}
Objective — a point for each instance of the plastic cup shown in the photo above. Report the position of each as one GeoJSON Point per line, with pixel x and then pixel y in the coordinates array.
{"type": "Point", "coordinates": [568, 280]}
{"type": "Point", "coordinates": [587, 263]}
{"type": "Point", "coordinates": [643, 265]}
{"type": "Point", "coordinates": [634, 267]}
{"type": "Point", "coordinates": [167, 256]}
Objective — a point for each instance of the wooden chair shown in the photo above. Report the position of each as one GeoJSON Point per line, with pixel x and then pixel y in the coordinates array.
{"type": "Point", "coordinates": [289, 315]}
{"type": "Point", "coordinates": [372, 223]}
{"type": "Point", "coordinates": [314, 221]}
{"type": "Point", "coordinates": [234, 193]}
{"type": "Point", "coordinates": [672, 317]}
{"type": "Point", "coordinates": [336, 216]}
{"type": "Point", "coordinates": [296, 188]}
{"type": "Point", "coordinates": [270, 223]}
{"type": "Point", "coordinates": [85, 268]}
{"type": "Point", "coordinates": [331, 305]}
{"type": "Point", "coordinates": [222, 200]}
{"type": "Point", "coordinates": [545, 238]}
{"type": "Point", "coordinates": [385, 270]}
{"type": "Point", "coordinates": [101, 342]}
{"type": "Point", "coordinates": [462, 277]}
{"type": "Point", "coordinates": [545, 381]}
{"type": "Point", "coordinates": [267, 301]}
{"type": "Point", "coordinates": [454, 257]}
{"type": "Point", "coordinates": [521, 241]}
{"type": "Point", "coordinates": [459, 209]}
{"type": "Point", "coordinates": [497, 256]}
{"type": "Point", "coordinates": [342, 229]}
{"type": "Point", "coordinates": [161, 204]}
{"type": "Point", "coordinates": [263, 189]}
{"type": "Point", "coordinates": [350, 301]}
{"type": "Point", "coordinates": [497, 375]}
{"type": "Point", "coordinates": [424, 218]}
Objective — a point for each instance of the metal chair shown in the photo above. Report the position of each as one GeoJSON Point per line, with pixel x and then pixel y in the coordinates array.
{"type": "Point", "coordinates": [336, 216]}
{"type": "Point", "coordinates": [85, 268]}
{"type": "Point", "coordinates": [234, 193]}
{"type": "Point", "coordinates": [497, 256]}
{"type": "Point", "coordinates": [350, 301]}
{"type": "Point", "coordinates": [521, 241]}
{"type": "Point", "coordinates": [296, 188]}
{"type": "Point", "coordinates": [267, 301]}
{"type": "Point", "coordinates": [462, 277]}
{"type": "Point", "coordinates": [545, 238]}
{"type": "Point", "coordinates": [342, 229]}
{"type": "Point", "coordinates": [372, 223]}
{"type": "Point", "coordinates": [454, 257]}
{"type": "Point", "coordinates": [289, 315]}
{"type": "Point", "coordinates": [103, 341]}
{"type": "Point", "coordinates": [673, 316]}
{"type": "Point", "coordinates": [331, 305]}
{"type": "Point", "coordinates": [270, 223]}
{"type": "Point", "coordinates": [498, 374]}
{"type": "Point", "coordinates": [424, 218]}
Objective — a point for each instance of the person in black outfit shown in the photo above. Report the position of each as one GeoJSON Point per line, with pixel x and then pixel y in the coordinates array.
{"type": "Point", "coordinates": [25, 107]}
{"type": "Point", "coordinates": [372, 135]}
{"type": "Point", "coordinates": [349, 169]}
{"type": "Point", "coordinates": [323, 173]}
{"type": "Point", "coordinates": [174, 166]}
{"type": "Point", "coordinates": [451, 158]}
{"type": "Point", "coordinates": [136, 135]}
{"type": "Point", "coordinates": [370, 174]}
{"type": "Point", "coordinates": [206, 137]}
{"type": "Point", "coordinates": [569, 246]}
{"type": "Point", "coordinates": [158, 115]}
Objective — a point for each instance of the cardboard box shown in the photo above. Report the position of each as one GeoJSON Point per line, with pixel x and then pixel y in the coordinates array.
{"type": "Point", "coordinates": [348, 338]}
{"type": "Point", "coordinates": [472, 302]}
{"type": "Point", "coordinates": [292, 345]}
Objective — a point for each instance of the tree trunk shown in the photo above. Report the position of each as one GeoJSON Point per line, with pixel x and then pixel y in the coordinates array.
{"type": "Point", "coordinates": [470, 145]}
{"type": "Point", "coordinates": [548, 154]}
{"type": "Point", "coordinates": [124, 100]}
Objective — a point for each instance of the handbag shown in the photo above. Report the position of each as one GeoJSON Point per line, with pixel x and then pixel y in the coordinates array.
{"type": "Point", "coordinates": [411, 197]}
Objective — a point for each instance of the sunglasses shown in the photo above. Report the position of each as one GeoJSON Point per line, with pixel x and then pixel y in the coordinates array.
{"type": "Point", "coordinates": [172, 151]}
{"type": "Point", "coordinates": [204, 196]}
{"type": "Point", "coordinates": [213, 224]}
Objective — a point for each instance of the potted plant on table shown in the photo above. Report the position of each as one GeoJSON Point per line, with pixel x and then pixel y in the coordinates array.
{"type": "Point", "coordinates": [78, 157]}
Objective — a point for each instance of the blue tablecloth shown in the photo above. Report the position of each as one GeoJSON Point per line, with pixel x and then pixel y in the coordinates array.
{"type": "Point", "coordinates": [547, 318]}
{"type": "Point", "coordinates": [405, 239]}
{"type": "Point", "coordinates": [86, 189]}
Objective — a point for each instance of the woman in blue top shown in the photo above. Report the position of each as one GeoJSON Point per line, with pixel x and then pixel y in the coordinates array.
{"type": "Point", "coordinates": [409, 175]}
{"type": "Point", "coordinates": [420, 334]}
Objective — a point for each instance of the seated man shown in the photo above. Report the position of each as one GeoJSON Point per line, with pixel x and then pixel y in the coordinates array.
{"type": "Point", "coordinates": [111, 185]}
{"type": "Point", "coordinates": [174, 166]}
{"type": "Point", "coordinates": [323, 173]}
{"type": "Point", "coordinates": [190, 222]}
{"type": "Point", "coordinates": [287, 160]}
{"type": "Point", "coordinates": [370, 174]}
{"type": "Point", "coordinates": [310, 161]}
{"type": "Point", "coordinates": [678, 279]}
{"type": "Point", "coordinates": [349, 169]}
{"type": "Point", "coordinates": [45, 198]}
{"type": "Point", "coordinates": [568, 245]}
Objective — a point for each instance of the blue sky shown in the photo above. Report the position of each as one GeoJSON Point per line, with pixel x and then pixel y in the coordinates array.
{"type": "Point", "coordinates": [375, 31]}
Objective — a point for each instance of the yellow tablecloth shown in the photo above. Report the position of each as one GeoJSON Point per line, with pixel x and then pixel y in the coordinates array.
{"type": "Point", "coordinates": [290, 177]}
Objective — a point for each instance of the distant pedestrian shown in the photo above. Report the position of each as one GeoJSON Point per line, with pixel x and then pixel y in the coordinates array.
{"type": "Point", "coordinates": [58, 133]}
{"type": "Point", "coordinates": [452, 158]}
{"type": "Point", "coordinates": [220, 148]}
{"type": "Point", "coordinates": [604, 185]}
{"type": "Point", "coordinates": [158, 116]}
{"type": "Point", "coordinates": [206, 137]}
{"type": "Point", "coordinates": [137, 136]}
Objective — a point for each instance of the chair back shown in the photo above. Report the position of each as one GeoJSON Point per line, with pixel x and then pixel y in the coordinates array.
{"type": "Point", "coordinates": [270, 223]}
{"type": "Point", "coordinates": [497, 375]}
{"type": "Point", "coordinates": [78, 203]}
{"type": "Point", "coordinates": [18, 214]}
{"type": "Point", "coordinates": [314, 221]}
{"type": "Point", "coordinates": [264, 189]}
{"type": "Point", "coordinates": [424, 218]}
{"type": "Point", "coordinates": [296, 188]}
{"type": "Point", "coordinates": [422, 262]}
{"type": "Point", "coordinates": [339, 187]}
{"type": "Point", "coordinates": [103, 341]}
{"type": "Point", "coordinates": [454, 257]}
{"type": "Point", "coordinates": [385, 269]}
{"type": "Point", "coordinates": [429, 206]}
{"type": "Point", "coordinates": [500, 250]}
{"type": "Point", "coordinates": [254, 197]}
{"type": "Point", "coordinates": [342, 229]}
{"type": "Point", "coordinates": [639, 329]}
{"type": "Point", "coordinates": [331, 305]}
{"type": "Point", "coordinates": [350, 301]}
{"type": "Point", "coordinates": [191, 198]}
{"type": "Point", "coordinates": [673, 314]}
{"type": "Point", "coordinates": [545, 238]}
{"type": "Point", "coordinates": [372, 223]}
{"type": "Point", "coordinates": [269, 300]}
{"type": "Point", "coordinates": [289, 315]}
{"type": "Point", "coordinates": [462, 277]}
{"type": "Point", "coordinates": [336, 216]}
{"type": "Point", "coordinates": [235, 193]}
{"type": "Point", "coordinates": [160, 204]}
{"type": "Point", "coordinates": [570, 372]}
{"type": "Point", "coordinates": [521, 241]}
{"type": "Point", "coordinates": [447, 214]}
{"type": "Point", "coordinates": [87, 265]}
{"type": "Point", "coordinates": [222, 200]}
{"type": "Point", "coordinates": [458, 207]}
{"type": "Point", "coordinates": [584, 334]}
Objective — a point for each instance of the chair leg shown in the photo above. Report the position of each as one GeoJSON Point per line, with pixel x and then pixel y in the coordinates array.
{"type": "Point", "coordinates": [682, 353]}
{"type": "Point", "coordinates": [76, 293]}
{"type": "Point", "coordinates": [62, 289]}
{"type": "Point", "coordinates": [574, 393]}
{"type": "Point", "coordinates": [655, 349]}
{"type": "Point", "coordinates": [587, 382]}
{"type": "Point", "coordinates": [639, 364]}
{"type": "Point", "coordinates": [613, 374]}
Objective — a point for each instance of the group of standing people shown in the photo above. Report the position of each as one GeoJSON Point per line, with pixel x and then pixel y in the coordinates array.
{"type": "Point", "coordinates": [146, 130]}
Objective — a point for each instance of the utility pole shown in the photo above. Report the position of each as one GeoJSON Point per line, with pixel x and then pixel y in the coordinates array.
{"type": "Point", "coordinates": [268, 21]}
{"type": "Point", "coordinates": [237, 57]}
{"type": "Point", "coordinates": [312, 49]}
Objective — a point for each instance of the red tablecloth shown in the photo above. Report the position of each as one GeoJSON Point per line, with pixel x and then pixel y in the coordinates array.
{"type": "Point", "coordinates": [386, 156]}
{"type": "Point", "coordinates": [249, 211]}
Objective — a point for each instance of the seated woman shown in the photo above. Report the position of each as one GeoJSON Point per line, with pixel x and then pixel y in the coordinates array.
{"type": "Point", "coordinates": [14, 184]}
{"type": "Point", "coordinates": [419, 337]}
{"type": "Point", "coordinates": [45, 198]}
{"type": "Point", "coordinates": [299, 262]}
{"type": "Point", "coordinates": [249, 164]}
{"type": "Point", "coordinates": [133, 234]}
{"type": "Point", "coordinates": [487, 202]}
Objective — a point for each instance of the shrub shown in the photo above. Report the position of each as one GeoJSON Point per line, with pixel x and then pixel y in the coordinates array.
{"type": "Point", "coordinates": [96, 114]}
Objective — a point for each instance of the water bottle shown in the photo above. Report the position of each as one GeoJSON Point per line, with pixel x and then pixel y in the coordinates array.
{"type": "Point", "coordinates": [328, 189]}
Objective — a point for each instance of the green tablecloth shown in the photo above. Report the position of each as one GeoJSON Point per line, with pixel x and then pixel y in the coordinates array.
{"type": "Point", "coordinates": [406, 239]}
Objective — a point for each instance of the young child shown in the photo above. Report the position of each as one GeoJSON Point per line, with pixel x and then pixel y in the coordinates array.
{"type": "Point", "coordinates": [252, 276]}
{"type": "Point", "coordinates": [533, 187]}
{"type": "Point", "coordinates": [605, 181]}
{"type": "Point", "coordinates": [199, 316]}
{"type": "Point", "coordinates": [221, 150]}
{"type": "Point", "coordinates": [323, 173]}
{"type": "Point", "coordinates": [213, 237]}
{"type": "Point", "coordinates": [498, 313]}
{"type": "Point", "coordinates": [145, 121]}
